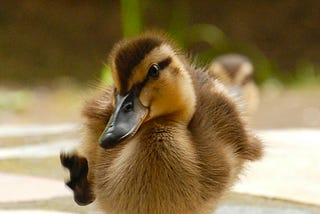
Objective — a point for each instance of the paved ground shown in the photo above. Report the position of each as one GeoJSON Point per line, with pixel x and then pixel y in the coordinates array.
{"type": "Point", "coordinates": [290, 169]}
{"type": "Point", "coordinates": [20, 188]}
{"type": "Point", "coordinates": [285, 181]}
{"type": "Point", "coordinates": [32, 212]}
{"type": "Point", "coordinates": [231, 209]}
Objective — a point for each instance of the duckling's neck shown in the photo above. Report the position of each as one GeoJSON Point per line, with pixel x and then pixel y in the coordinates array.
{"type": "Point", "coordinates": [185, 103]}
{"type": "Point", "coordinates": [184, 115]}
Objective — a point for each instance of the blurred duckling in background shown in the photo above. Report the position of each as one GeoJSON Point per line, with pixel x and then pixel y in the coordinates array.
{"type": "Point", "coordinates": [164, 138]}
{"type": "Point", "coordinates": [236, 73]}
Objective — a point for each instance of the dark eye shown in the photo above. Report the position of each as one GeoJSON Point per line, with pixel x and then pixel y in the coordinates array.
{"type": "Point", "coordinates": [154, 71]}
{"type": "Point", "coordinates": [128, 107]}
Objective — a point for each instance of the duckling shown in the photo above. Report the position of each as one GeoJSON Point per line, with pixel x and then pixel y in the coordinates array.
{"type": "Point", "coordinates": [164, 138]}
{"type": "Point", "coordinates": [236, 73]}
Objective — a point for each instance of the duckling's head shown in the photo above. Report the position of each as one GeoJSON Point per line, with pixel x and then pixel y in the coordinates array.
{"type": "Point", "coordinates": [232, 70]}
{"type": "Point", "coordinates": [151, 80]}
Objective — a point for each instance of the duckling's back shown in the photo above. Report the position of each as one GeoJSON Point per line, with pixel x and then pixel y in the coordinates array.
{"type": "Point", "coordinates": [220, 137]}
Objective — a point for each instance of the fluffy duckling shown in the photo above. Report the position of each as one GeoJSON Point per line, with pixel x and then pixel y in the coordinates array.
{"type": "Point", "coordinates": [236, 73]}
{"type": "Point", "coordinates": [164, 138]}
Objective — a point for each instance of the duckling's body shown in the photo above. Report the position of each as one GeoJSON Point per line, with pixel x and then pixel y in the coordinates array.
{"type": "Point", "coordinates": [236, 73]}
{"type": "Point", "coordinates": [187, 151]}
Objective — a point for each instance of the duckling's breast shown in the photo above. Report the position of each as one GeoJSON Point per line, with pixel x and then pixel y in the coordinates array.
{"type": "Point", "coordinates": [157, 171]}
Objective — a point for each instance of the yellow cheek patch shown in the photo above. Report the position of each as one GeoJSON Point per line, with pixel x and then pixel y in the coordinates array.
{"type": "Point", "coordinates": [170, 94]}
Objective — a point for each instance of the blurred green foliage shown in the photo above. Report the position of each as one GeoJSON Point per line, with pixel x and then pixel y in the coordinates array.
{"type": "Point", "coordinates": [306, 75]}
{"type": "Point", "coordinates": [106, 74]}
{"type": "Point", "coordinates": [131, 17]}
{"type": "Point", "coordinates": [212, 40]}
{"type": "Point", "coordinates": [14, 100]}
{"type": "Point", "coordinates": [43, 42]}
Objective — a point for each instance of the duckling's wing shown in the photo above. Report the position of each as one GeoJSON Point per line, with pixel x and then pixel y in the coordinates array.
{"type": "Point", "coordinates": [218, 120]}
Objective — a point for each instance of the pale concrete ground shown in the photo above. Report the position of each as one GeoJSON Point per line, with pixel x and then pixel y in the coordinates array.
{"type": "Point", "coordinates": [32, 212]}
{"type": "Point", "coordinates": [21, 188]}
{"type": "Point", "coordinates": [290, 169]}
{"type": "Point", "coordinates": [287, 170]}
{"type": "Point", "coordinates": [285, 181]}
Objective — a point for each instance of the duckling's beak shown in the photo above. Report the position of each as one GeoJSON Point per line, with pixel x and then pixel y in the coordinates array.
{"type": "Point", "coordinates": [128, 115]}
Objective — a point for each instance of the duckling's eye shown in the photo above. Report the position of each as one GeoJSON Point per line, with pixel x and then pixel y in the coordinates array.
{"type": "Point", "coordinates": [128, 107]}
{"type": "Point", "coordinates": [154, 71]}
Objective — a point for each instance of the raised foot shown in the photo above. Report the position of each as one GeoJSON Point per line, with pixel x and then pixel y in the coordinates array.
{"type": "Point", "coordinates": [79, 183]}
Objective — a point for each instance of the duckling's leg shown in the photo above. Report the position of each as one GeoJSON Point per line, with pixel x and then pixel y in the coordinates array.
{"type": "Point", "coordinates": [79, 183]}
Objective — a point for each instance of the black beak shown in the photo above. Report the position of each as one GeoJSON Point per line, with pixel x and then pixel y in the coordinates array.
{"type": "Point", "coordinates": [125, 120]}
